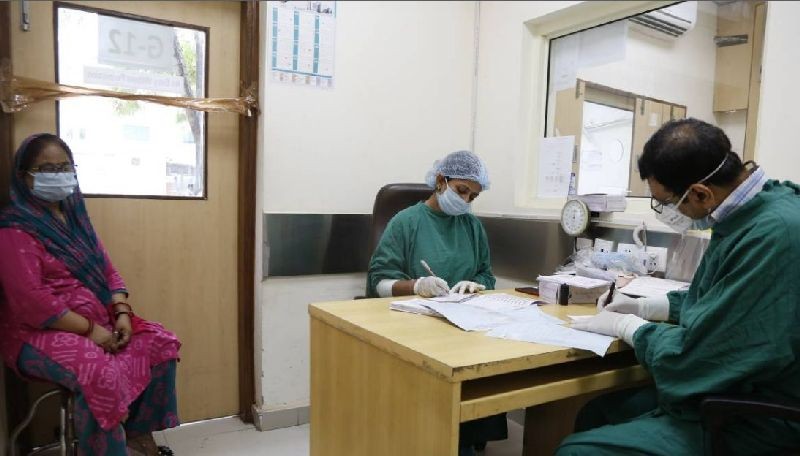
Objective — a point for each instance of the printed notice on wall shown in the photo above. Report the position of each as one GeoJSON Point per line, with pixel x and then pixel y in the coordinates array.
{"type": "Point", "coordinates": [555, 166]}
{"type": "Point", "coordinates": [303, 42]}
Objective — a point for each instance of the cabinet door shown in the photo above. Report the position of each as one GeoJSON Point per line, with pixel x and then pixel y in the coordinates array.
{"type": "Point", "coordinates": [732, 72]}
{"type": "Point", "coordinates": [648, 117]}
{"type": "Point", "coordinates": [755, 82]}
{"type": "Point", "coordinates": [569, 118]}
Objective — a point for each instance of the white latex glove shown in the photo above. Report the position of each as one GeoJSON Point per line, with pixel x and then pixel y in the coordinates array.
{"type": "Point", "coordinates": [431, 286]}
{"type": "Point", "coordinates": [613, 324]}
{"type": "Point", "coordinates": [653, 309]}
{"type": "Point", "coordinates": [465, 286]}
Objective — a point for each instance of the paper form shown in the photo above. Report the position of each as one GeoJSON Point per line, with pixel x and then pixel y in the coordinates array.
{"type": "Point", "coordinates": [453, 297]}
{"type": "Point", "coordinates": [489, 311]}
{"type": "Point", "coordinates": [417, 306]}
{"type": "Point", "coordinates": [564, 61]}
{"type": "Point", "coordinates": [508, 317]}
{"type": "Point", "coordinates": [550, 334]}
{"type": "Point", "coordinates": [652, 286]}
{"type": "Point", "coordinates": [555, 166]}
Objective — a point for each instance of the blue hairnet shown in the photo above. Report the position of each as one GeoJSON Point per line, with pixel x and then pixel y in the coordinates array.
{"type": "Point", "coordinates": [462, 164]}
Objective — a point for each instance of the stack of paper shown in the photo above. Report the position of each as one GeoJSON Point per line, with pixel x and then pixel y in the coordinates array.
{"type": "Point", "coordinates": [652, 286]}
{"type": "Point", "coordinates": [581, 289]}
{"type": "Point", "coordinates": [508, 317]}
{"type": "Point", "coordinates": [417, 306]}
{"type": "Point", "coordinates": [601, 202]}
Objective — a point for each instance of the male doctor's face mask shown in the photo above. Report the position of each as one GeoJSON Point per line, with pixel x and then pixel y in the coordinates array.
{"type": "Point", "coordinates": [670, 215]}
{"type": "Point", "coordinates": [451, 203]}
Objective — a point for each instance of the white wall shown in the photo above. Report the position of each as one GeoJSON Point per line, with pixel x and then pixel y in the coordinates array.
{"type": "Point", "coordinates": [779, 116]}
{"type": "Point", "coordinates": [286, 332]}
{"type": "Point", "coordinates": [402, 98]}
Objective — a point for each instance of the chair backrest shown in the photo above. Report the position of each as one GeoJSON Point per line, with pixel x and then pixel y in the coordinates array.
{"type": "Point", "coordinates": [391, 199]}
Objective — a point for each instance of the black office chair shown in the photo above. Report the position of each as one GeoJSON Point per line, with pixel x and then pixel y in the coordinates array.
{"type": "Point", "coordinates": [391, 199]}
{"type": "Point", "coordinates": [716, 411]}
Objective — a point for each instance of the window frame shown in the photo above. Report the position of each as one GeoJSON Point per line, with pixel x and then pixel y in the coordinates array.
{"type": "Point", "coordinates": [135, 17]}
{"type": "Point", "coordinates": [548, 59]}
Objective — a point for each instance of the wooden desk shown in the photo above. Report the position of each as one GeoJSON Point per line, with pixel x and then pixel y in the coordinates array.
{"type": "Point", "coordinates": [392, 383]}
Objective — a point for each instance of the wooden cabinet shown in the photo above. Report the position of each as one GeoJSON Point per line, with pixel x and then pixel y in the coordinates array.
{"type": "Point", "coordinates": [755, 81]}
{"type": "Point", "coordinates": [732, 73]}
{"type": "Point", "coordinates": [649, 116]}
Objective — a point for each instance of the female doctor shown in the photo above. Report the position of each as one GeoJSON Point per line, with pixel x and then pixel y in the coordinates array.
{"type": "Point", "coordinates": [443, 233]}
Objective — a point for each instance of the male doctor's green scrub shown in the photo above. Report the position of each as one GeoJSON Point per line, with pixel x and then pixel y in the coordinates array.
{"type": "Point", "coordinates": [737, 328]}
{"type": "Point", "coordinates": [442, 232]}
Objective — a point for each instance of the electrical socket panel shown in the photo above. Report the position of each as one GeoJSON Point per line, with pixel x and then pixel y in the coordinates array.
{"type": "Point", "coordinates": [657, 259]}
{"type": "Point", "coordinates": [603, 245]}
{"type": "Point", "coordinates": [633, 249]}
{"type": "Point", "coordinates": [584, 243]}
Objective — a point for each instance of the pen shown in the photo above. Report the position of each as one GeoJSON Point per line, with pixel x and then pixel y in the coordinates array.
{"type": "Point", "coordinates": [427, 268]}
{"type": "Point", "coordinates": [610, 293]}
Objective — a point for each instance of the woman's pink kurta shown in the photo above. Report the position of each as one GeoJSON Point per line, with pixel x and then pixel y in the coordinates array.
{"type": "Point", "coordinates": [37, 289]}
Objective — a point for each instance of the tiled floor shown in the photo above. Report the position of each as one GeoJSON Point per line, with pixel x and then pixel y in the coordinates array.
{"type": "Point", "coordinates": [229, 436]}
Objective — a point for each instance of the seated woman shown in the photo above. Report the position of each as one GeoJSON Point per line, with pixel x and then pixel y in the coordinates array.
{"type": "Point", "coordinates": [64, 315]}
{"type": "Point", "coordinates": [441, 232]}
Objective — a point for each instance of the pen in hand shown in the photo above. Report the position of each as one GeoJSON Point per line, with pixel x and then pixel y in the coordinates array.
{"type": "Point", "coordinates": [427, 268]}
{"type": "Point", "coordinates": [610, 296]}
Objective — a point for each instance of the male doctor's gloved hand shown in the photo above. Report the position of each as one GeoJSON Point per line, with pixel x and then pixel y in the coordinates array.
{"type": "Point", "coordinates": [612, 324]}
{"type": "Point", "coordinates": [465, 286]}
{"type": "Point", "coordinates": [431, 286]}
{"type": "Point", "coordinates": [654, 309]}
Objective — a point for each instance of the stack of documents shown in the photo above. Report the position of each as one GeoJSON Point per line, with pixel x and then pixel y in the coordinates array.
{"type": "Point", "coordinates": [418, 305]}
{"type": "Point", "coordinates": [508, 317]}
{"type": "Point", "coordinates": [601, 202]}
{"type": "Point", "coordinates": [652, 286]}
{"type": "Point", "coordinates": [582, 290]}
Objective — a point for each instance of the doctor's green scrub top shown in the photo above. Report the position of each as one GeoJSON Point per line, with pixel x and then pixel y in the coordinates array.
{"type": "Point", "coordinates": [455, 247]}
{"type": "Point", "coordinates": [735, 331]}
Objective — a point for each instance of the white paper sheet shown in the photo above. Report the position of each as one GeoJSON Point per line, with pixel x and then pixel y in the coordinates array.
{"type": "Point", "coordinates": [565, 55]}
{"type": "Point", "coordinates": [550, 334]}
{"type": "Point", "coordinates": [651, 286]}
{"type": "Point", "coordinates": [454, 297]}
{"type": "Point", "coordinates": [555, 166]}
{"type": "Point", "coordinates": [416, 306]}
{"type": "Point", "coordinates": [490, 311]}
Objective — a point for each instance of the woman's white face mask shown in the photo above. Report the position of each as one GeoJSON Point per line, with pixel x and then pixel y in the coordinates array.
{"type": "Point", "coordinates": [451, 203]}
{"type": "Point", "coordinates": [53, 187]}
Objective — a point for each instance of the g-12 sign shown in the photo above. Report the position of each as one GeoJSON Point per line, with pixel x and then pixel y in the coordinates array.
{"type": "Point", "coordinates": [135, 44]}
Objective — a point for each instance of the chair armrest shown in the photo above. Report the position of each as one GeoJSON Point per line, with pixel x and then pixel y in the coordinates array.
{"type": "Point", "coordinates": [722, 407]}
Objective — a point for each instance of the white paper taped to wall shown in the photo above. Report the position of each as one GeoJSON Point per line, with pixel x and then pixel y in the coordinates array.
{"type": "Point", "coordinates": [555, 166]}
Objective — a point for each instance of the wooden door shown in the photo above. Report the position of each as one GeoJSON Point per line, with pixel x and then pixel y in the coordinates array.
{"type": "Point", "coordinates": [178, 257]}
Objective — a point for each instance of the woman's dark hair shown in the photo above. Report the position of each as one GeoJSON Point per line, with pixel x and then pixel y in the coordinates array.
{"type": "Point", "coordinates": [35, 147]}
{"type": "Point", "coordinates": [682, 152]}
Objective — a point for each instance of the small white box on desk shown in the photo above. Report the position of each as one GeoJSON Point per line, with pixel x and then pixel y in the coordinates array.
{"type": "Point", "coordinates": [566, 289]}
